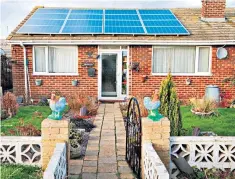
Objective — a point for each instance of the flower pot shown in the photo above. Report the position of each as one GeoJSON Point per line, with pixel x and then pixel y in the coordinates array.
{"type": "Point", "coordinates": [144, 78]}
{"type": "Point", "coordinates": [74, 82]}
{"type": "Point", "coordinates": [202, 113]}
{"type": "Point", "coordinates": [38, 82]}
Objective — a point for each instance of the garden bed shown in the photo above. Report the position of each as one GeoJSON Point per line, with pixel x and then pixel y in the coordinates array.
{"type": "Point", "coordinates": [13, 171]}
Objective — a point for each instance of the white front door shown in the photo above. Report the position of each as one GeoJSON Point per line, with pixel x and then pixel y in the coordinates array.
{"type": "Point", "coordinates": [110, 69]}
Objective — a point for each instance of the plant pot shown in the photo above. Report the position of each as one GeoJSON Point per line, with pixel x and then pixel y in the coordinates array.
{"type": "Point", "coordinates": [75, 152]}
{"type": "Point", "coordinates": [74, 82]}
{"type": "Point", "coordinates": [202, 113]}
{"type": "Point", "coordinates": [144, 78]}
{"type": "Point", "coordinates": [38, 82]}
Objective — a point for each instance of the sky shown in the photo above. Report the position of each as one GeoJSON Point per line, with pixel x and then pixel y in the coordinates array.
{"type": "Point", "coordinates": [14, 11]}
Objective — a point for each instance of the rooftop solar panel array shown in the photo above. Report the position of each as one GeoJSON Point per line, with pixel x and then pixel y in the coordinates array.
{"type": "Point", "coordinates": [98, 21]}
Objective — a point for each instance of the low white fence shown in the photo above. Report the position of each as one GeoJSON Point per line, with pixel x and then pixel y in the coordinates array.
{"type": "Point", "coordinates": [22, 150]}
{"type": "Point", "coordinates": [203, 152]}
{"type": "Point", "coordinates": [57, 167]}
{"type": "Point", "coordinates": [153, 166]}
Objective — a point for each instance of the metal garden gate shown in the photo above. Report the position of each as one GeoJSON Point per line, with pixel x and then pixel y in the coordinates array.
{"type": "Point", "coordinates": [133, 137]}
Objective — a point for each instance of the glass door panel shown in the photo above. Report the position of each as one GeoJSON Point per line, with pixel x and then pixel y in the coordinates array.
{"type": "Point", "coordinates": [109, 75]}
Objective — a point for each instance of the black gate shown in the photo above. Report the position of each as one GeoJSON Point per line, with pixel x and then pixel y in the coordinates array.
{"type": "Point", "coordinates": [133, 137]}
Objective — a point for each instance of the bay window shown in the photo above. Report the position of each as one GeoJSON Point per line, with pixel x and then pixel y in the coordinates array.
{"type": "Point", "coordinates": [181, 60]}
{"type": "Point", "coordinates": [55, 60]}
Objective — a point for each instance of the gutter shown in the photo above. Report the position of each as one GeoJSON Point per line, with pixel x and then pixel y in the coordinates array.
{"type": "Point", "coordinates": [122, 42]}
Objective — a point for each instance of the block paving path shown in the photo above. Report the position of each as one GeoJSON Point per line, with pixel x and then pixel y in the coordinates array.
{"type": "Point", "coordinates": [105, 153]}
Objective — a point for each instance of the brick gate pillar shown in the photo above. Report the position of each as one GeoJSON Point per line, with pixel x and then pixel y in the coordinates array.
{"type": "Point", "coordinates": [53, 132]}
{"type": "Point", "coordinates": [157, 133]}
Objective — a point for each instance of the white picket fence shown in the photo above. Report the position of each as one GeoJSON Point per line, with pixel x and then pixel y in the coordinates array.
{"type": "Point", "coordinates": [203, 152]}
{"type": "Point", "coordinates": [153, 166]}
{"type": "Point", "coordinates": [57, 167]}
{"type": "Point", "coordinates": [22, 150]}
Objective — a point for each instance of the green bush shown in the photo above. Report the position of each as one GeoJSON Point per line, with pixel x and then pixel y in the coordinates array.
{"type": "Point", "coordinates": [170, 105]}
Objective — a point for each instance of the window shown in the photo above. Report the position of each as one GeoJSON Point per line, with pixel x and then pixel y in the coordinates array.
{"type": "Point", "coordinates": [181, 60]}
{"type": "Point", "coordinates": [55, 60]}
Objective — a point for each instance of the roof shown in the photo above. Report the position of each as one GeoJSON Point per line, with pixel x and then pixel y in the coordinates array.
{"type": "Point", "coordinates": [189, 17]}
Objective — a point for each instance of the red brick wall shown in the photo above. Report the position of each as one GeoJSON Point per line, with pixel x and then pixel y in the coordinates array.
{"type": "Point", "coordinates": [213, 8]}
{"type": "Point", "coordinates": [18, 70]}
{"type": "Point", "coordinates": [142, 54]}
{"type": "Point", "coordinates": [220, 70]}
{"type": "Point", "coordinates": [61, 83]}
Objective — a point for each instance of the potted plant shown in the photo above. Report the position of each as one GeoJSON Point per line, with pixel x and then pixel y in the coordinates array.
{"type": "Point", "coordinates": [203, 107]}
{"type": "Point", "coordinates": [74, 82]}
{"type": "Point", "coordinates": [75, 138]}
{"type": "Point", "coordinates": [144, 78]}
{"type": "Point", "coordinates": [38, 82]}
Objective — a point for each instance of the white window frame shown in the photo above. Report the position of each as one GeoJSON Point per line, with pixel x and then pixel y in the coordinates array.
{"type": "Point", "coordinates": [47, 56]}
{"type": "Point", "coordinates": [196, 73]}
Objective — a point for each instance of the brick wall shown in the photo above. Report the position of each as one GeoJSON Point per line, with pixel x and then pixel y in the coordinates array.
{"type": "Point", "coordinates": [18, 70]}
{"type": "Point", "coordinates": [213, 8]}
{"type": "Point", "coordinates": [63, 84]}
{"type": "Point", "coordinates": [220, 70]}
{"type": "Point", "coordinates": [142, 54]}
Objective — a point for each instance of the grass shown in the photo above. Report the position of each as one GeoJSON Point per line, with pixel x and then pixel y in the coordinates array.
{"type": "Point", "coordinates": [222, 125]}
{"type": "Point", "coordinates": [13, 171]}
{"type": "Point", "coordinates": [30, 114]}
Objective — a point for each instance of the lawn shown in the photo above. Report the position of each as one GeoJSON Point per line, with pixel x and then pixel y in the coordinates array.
{"type": "Point", "coordinates": [222, 125]}
{"type": "Point", "coordinates": [30, 114]}
{"type": "Point", "coordinates": [13, 171]}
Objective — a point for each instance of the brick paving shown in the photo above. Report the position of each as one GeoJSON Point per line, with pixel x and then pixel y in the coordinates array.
{"type": "Point", "coordinates": [105, 153]}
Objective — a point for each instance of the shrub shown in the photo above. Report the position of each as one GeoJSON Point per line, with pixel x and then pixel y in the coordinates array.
{"type": "Point", "coordinates": [9, 104]}
{"type": "Point", "coordinates": [75, 102]}
{"type": "Point", "coordinates": [203, 105]}
{"type": "Point", "coordinates": [170, 105]}
{"type": "Point", "coordinates": [143, 110]}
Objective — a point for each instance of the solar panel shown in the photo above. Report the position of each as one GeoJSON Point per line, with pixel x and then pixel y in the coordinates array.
{"type": "Point", "coordinates": [50, 10]}
{"type": "Point", "coordinates": [162, 22]}
{"type": "Point", "coordinates": [99, 21]}
{"type": "Point", "coordinates": [122, 22]}
{"type": "Point", "coordinates": [86, 11]}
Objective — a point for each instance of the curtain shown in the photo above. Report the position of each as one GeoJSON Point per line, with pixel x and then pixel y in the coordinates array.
{"type": "Point", "coordinates": [40, 63]}
{"type": "Point", "coordinates": [175, 59]}
{"type": "Point", "coordinates": [161, 59]}
{"type": "Point", "coordinates": [62, 60]}
{"type": "Point", "coordinates": [184, 60]}
{"type": "Point", "coordinates": [203, 59]}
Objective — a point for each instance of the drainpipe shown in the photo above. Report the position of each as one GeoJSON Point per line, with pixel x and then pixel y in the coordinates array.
{"type": "Point", "coordinates": [25, 72]}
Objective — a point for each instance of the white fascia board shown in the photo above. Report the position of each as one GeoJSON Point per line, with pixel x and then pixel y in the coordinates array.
{"type": "Point", "coordinates": [121, 42]}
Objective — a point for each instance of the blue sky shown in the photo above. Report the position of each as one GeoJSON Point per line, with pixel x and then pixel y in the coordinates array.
{"type": "Point", "coordinates": [14, 11]}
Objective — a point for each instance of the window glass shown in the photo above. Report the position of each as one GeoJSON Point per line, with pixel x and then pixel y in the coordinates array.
{"type": "Point", "coordinates": [184, 60]}
{"type": "Point", "coordinates": [40, 55]}
{"type": "Point", "coordinates": [62, 60]}
{"type": "Point", "coordinates": [203, 59]}
{"type": "Point", "coordinates": [161, 59]}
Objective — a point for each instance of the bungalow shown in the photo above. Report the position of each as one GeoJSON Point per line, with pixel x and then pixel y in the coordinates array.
{"type": "Point", "coordinates": [114, 53]}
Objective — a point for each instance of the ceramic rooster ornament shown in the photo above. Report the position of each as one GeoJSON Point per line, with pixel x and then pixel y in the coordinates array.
{"type": "Point", "coordinates": [57, 105]}
{"type": "Point", "coordinates": [152, 105]}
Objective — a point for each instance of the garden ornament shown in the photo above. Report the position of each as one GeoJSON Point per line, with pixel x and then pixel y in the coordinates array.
{"type": "Point", "coordinates": [152, 106]}
{"type": "Point", "coordinates": [57, 105]}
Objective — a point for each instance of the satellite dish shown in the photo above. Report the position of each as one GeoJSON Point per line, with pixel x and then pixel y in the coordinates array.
{"type": "Point", "coordinates": [222, 53]}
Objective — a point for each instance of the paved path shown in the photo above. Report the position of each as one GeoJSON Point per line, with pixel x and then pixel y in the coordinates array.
{"type": "Point", "coordinates": [105, 154]}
